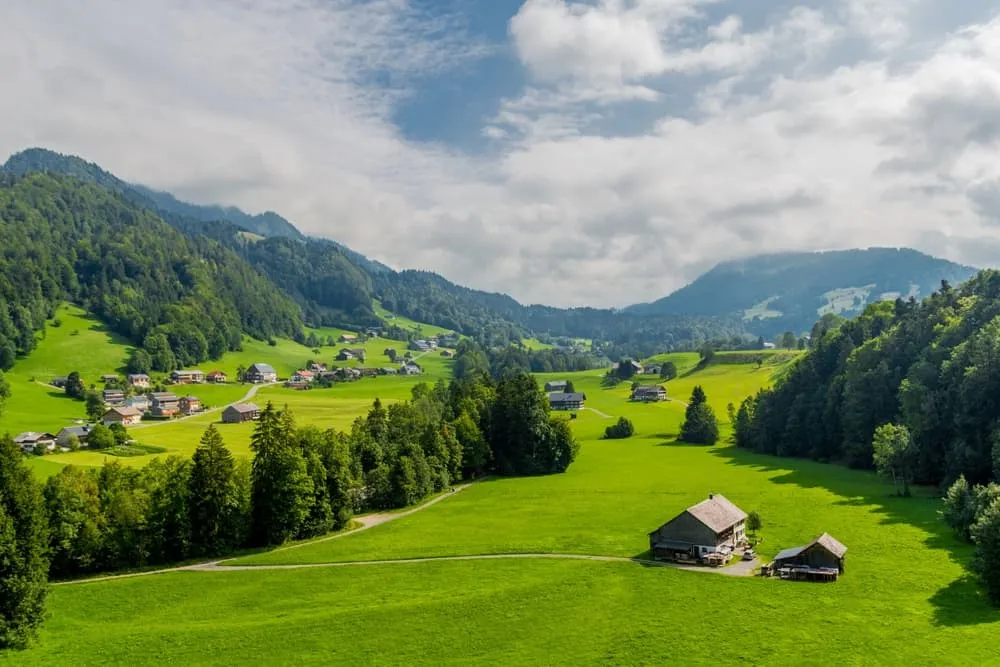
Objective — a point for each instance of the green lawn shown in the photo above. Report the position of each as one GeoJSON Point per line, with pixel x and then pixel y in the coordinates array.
{"type": "Point", "coordinates": [419, 328]}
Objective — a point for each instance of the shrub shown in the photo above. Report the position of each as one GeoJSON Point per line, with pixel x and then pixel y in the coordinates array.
{"type": "Point", "coordinates": [622, 429]}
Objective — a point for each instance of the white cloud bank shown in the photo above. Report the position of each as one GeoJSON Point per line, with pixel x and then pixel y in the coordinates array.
{"type": "Point", "coordinates": [829, 127]}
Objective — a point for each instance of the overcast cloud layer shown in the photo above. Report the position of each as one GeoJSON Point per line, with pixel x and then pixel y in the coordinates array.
{"type": "Point", "coordinates": [652, 139]}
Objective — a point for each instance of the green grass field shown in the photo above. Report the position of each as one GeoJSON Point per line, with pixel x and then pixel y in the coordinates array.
{"type": "Point", "coordinates": [906, 597]}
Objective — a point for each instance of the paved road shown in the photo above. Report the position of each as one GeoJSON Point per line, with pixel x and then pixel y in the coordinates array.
{"type": "Point", "coordinates": [250, 394]}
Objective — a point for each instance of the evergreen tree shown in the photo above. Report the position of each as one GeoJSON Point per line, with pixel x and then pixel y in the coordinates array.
{"type": "Point", "coordinates": [986, 536]}
{"type": "Point", "coordinates": [73, 506]}
{"type": "Point", "coordinates": [4, 393]}
{"type": "Point", "coordinates": [668, 371]}
{"type": "Point", "coordinates": [336, 455]}
{"type": "Point", "coordinates": [94, 406]}
{"type": "Point", "coordinates": [700, 426]}
{"type": "Point", "coordinates": [282, 491]}
{"type": "Point", "coordinates": [74, 386]}
{"type": "Point", "coordinates": [168, 516]}
{"type": "Point", "coordinates": [214, 503]}
{"type": "Point", "coordinates": [23, 550]}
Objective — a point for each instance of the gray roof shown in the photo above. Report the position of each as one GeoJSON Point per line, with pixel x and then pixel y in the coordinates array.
{"type": "Point", "coordinates": [559, 397]}
{"type": "Point", "coordinates": [163, 396]}
{"type": "Point", "coordinates": [825, 540]}
{"type": "Point", "coordinates": [245, 407]}
{"type": "Point", "coordinates": [76, 430]}
{"type": "Point", "coordinates": [262, 368]}
{"type": "Point", "coordinates": [32, 436]}
{"type": "Point", "coordinates": [717, 513]}
{"type": "Point", "coordinates": [789, 553]}
{"type": "Point", "coordinates": [556, 383]}
{"type": "Point", "coordinates": [651, 389]}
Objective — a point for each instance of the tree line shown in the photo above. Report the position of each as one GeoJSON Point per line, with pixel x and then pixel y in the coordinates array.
{"type": "Point", "coordinates": [472, 360]}
{"type": "Point", "coordinates": [301, 482]}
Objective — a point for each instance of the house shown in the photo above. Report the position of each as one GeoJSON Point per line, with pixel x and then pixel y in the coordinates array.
{"type": "Point", "coordinates": [113, 396]}
{"type": "Point", "coordinates": [823, 553]}
{"type": "Point", "coordinates": [189, 404]}
{"type": "Point", "coordinates": [555, 385]}
{"type": "Point", "coordinates": [650, 393]}
{"type": "Point", "coordinates": [81, 433]}
{"type": "Point", "coordinates": [216, 377]}
{"type": "Point", "coordinates": [187, 377]}
{"type": "Point", "coordinates": [769, 346]}
{"type": "Point", "coordinates": [447, 353]}
{"type": "Point", "coordinates": [347, 354]}
{"type": "Point", "coordinates": [410, 368]}
{"type": "Point", "coordinates": [303, 376]}
{"type": "Point", "coordinates": [109, 377]}
{"type": "Point", "coordinates": [347, 338]}
{"type": "Point", "coordinates": [163, 404]}
{"type": "Point", "coordinates": [259, 373]}
{"type": "Point", "coordinates": [348, 373]}
{"type": "Point", "coordinates": [420, 346]}
{"type": "Point", "coordinates": [240, 412]}
{"type": "Point", "coordinates": [30, 440]}
{"type": "Point", "coordinates": [296, 384]}
{"type": "Point", "coordinates": [374, 332]}
{"type": "Point", "coordinates": [562, 401]}
{"type": "Point", "coordinates": [140, 380]}
{"type": "Point", "coordinates": [125, 416]}
{"type": "Point", "coordinates": [651, 370]}
{"type": "Point", "coordinates": [447, 340]}
{"type": "Point", "coordinates": [317, 367]}
{"type": "Point", "coordinates": [387, 370]}
{"type": "Point", "coordinates": [140, 403]}
{"type": "Point", "coordinates": [712, 526]}
{"type": "Point", "coordinates": [368, 372]}
{"type": "Point", "coordinates": [328, 375]}
{"type": "Point", "coordinates": [59, 382]}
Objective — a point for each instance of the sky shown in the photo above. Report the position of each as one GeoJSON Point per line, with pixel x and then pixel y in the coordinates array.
{"type": "Point", "coordinates": [568, 152]}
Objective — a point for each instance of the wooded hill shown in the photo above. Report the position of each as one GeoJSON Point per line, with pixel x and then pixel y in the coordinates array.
{"type": "Point", "coordinates": [932, 366]}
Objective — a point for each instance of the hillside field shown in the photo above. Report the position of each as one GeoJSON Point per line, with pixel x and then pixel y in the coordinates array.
{"type": "Point", "coordinates": [906, 597]}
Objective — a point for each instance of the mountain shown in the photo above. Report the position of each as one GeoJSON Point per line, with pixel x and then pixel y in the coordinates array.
{"type": "Point", "coordinates": [790, 291]}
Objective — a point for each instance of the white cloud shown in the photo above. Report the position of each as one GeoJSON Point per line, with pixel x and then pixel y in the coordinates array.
{"type": "Point", "coordinates": [782, 135]}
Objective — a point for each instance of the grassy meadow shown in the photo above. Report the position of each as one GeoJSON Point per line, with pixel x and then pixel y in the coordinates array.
{"type": "Point", "coordinates": [906, 597]}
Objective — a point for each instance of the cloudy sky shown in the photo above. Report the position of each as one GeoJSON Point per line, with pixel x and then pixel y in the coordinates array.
{"type": "Point", "coordinates": [571, 152]}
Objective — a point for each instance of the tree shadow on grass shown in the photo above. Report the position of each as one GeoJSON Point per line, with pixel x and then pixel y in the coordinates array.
{"type": "Point", "coordinates": [962, 602]}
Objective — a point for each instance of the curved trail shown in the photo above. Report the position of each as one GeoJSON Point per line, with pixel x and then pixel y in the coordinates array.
{"type": "Point", "coordinates": [250, 394]}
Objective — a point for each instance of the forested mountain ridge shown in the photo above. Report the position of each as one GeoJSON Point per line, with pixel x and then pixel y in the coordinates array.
{"type": "Point", "coordinates": [932, 366]}
{"type": "Point", "coordinates": [790, 291]}
{"type": "Point", "coordinates": [182, 299]}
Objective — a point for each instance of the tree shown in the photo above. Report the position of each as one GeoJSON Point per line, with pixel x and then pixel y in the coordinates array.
{"type": "Point", "coordinates": [73, 443]}
{"type": "Point", "coordinates": [119, 433]}
{"type": "Point", "coordinates": [569, 387]}
{"type": "Point", "coordinates": [985, 534]}
{"type": "Point", "coordinates": [100, 437]}
{"type": "Point", "coordinates": [788, 340]}
{"type": "Point", "coordinates": [214, 504]}
{"type": "Point", "coordinates": [161, 355]}
{"type": "Point", "coordinates": [73, 507]}
{"type": "Point", "coordinates": [524, 440]}
{"type": "Point", "coordinates": [623, 428]}
{"type": "Point", "coordinates": [241, 373]}
{"type": "Point", "coordinates": [23, 550]}
{"type": "Point", "coordinates": [754, 522]}
{"type": "Point", "coordinates": [700, 425]}
{"type": "Point", "coordinates": [668, 371]}
{"type": "Point", "coordinates": [94, 406]}
{"type": "Point", "coordinates": [894, 455]}
{"type": "Point", "coordinates": [74, 386]}
{"type": "Point", "coordinates": [282, 490]}
{"type": "Point", "coordinates": [4, 393]}
{"type": "Point", "coordinates": [475, 450]}
{"type": "Point", "coordinates": [139, 361]}
{"type": "Point", "coordinates": [959, 507]}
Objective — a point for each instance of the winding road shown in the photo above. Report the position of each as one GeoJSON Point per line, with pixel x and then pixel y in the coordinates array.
{"type": "Point", "coordinates": [250, 394]}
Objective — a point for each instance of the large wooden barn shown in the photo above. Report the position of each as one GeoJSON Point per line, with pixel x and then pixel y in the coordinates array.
{"type": "Point", "coordinates": [714, 525]}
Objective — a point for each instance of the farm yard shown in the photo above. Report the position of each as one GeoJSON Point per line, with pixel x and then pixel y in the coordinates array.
{"type": "Point", "coordinates": [905, 594]}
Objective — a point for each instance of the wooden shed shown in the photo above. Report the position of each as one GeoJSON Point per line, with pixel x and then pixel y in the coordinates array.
{"type": "Point", "coordinates": [825, 552]}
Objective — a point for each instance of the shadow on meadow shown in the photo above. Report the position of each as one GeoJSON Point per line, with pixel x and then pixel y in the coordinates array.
{"type": "Point", "coordinates": [962, 602]}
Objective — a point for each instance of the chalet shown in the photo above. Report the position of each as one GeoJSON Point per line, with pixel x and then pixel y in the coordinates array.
{"type": "Point", "coordinates": [410, 368]}
{"type": "Point", "coordinates": [555, 385]}
{"type": "Point", "coordinates": [559, 400]}
{"type": "Point", "coordinates": [823, 556]}
{"type": "Point", "coordinates": [387, 370]}
{"type": "Point", "coordinates": [81, 433]}
{"type": "Point", "coordinates": [187, 377]}
{"type": "Point", "coordinates": [113, 396]}
{"type": "Point", "coordinates": [348, 373]}
{"type": "Point", "coordinates": [374, 332]}
{"type": "Point", "coordinates": [769, 346]}
{"type": "Point", "coordinates": [260, 373]}
{"type": "Point", "coordinates": [420, 346]}
{"type": "Point", "coordinates": [163, 404]}
{"type": "Point", "coordinates": [59, 382]}
{"type": "Point", "coordinates": [140, 403]}
{"type": "Point", "coordinates": [347, 354]}
{"type": "Point", "coordinates": [448, 340]}
{"type": "Point", "coordinates": [30, 440]}
{"type": "Point", "coordinates": [296, 384]}
{"type": "Point", "coordinates": [328, 375]}
{"type": "Point", "coordinates": [140, 380]}
{"type": "Point", "coordinates": [303, 376]}
{"type": "Point", "coordinates": [317, 367]}
{"type": "Point", "coordinates": [651, 370]}
{"type": "Point", "coordinates": [347, 338]}
{"type": "Point", "coordinates": [712, 526]}
{"type": "Point", "coordinates": [216, 377]}
{"type": "Point", "coordinates": [240, 412]}
{"type": "Point", "coordinates": [124, 416]}
{"type": "Point", "coordinates": [189, 404]}
{"type": "Point", "coordinates": [109, 377]}
{"type": "Point", "coordinates": [650, 394]}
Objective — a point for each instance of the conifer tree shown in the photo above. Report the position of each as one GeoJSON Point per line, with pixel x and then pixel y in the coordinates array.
{"type": "Point", "coordinates": [700, 426]}
{"type": "Point", "coordinates": [282, 491]}
{"type": "Point", "coordinates": [214, 506]}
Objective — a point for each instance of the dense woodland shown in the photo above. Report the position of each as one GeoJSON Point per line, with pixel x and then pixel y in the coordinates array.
{"type": "Point", "coordinates": [474, 361]}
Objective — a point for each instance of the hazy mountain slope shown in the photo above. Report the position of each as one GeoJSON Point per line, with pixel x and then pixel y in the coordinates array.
{"type": "Point", "coordinates": [780, 292]}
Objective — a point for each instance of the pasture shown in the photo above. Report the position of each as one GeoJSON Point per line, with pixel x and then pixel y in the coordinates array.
{"type": "Point", "coordinates": [906, 597]}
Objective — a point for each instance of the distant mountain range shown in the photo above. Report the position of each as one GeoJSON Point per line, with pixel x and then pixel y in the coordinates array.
{"type": "Point", "coordinates": [790, 291]}
{"type": "Point", "coordinates": [335, 285]}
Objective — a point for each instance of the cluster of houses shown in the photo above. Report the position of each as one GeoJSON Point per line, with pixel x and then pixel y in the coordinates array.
{"type": "Point", "coordinates": [560, 399]}
{"type": "Point", "coordinates": [713, 532]}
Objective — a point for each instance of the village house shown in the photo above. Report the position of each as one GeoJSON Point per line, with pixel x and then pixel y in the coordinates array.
{"type": "Point", "coordinates": [410, 368]}
{"type": "Point", "coordinates": [651, 370]}
{"type": "Point", "coordinates": [387, 370]}
{"type": "Point", "coordinates": [113, 396]}
{"type": "Point", "coordinates": [189, 404]}
{"type": "Point", "coordinates": [713, 526]}
{"type": "Point", "coordinates": [192, 376]}
{"type": "Point", "coordinates": [240, 412]}
{"type": "Point", "coordinates": [559, 400]}
{"type": "Point", "coordinates": [368, 372]}
{"type": "Point", "coordinates": [109, 377]}
{"type": "Point", "coordinates": [317, 367]}
{"type": "Point", "coordinates": [163, 404]}
{"type": "Point", "coordinates": [555, 385]}
{"type": "Point", "coordinates": [447, 340]}
{"type": "Point", "coordinates": [820, 560]}
{"type": "Point", "coordinates": [296, 384]}
{"type": "Point", "coordinates": [420, 346]}
{"type": "Point", "coordinates": [216, 377]}
{"type": "Point", "coordinates": [140, 403]}
{"type": "Point", "coordinates": [347, 373]}
{"type": "Point", "coordinates": [29, 440]}
{"type": "Point", "coordinates": [303, 376]}
{"type": "Point", "coordinates": [260, 373]}
{"type": "Point", "coordinates": [81, 433]}
{"type": "Point", "coordinates": [139, 380]}
{"type": "Point", "coordinates": [650, 393]}
{"type": "Point", "coordinates": [124, 416]}
{"type": "Point", "coordinates": [347, 338]}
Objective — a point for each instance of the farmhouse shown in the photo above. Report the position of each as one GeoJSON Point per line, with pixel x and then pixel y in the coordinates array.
{"type": "Point", "coordinates": [140, 380]}
{"type": "Point", "coordinates": [113, 396]}
{"type": "Point", "coordinates": [163, 404]}
{"type": "Point", "coordinates": [317, 367]}
{"type": "Point", "coordinates": [303, 376]}
{"type": "Point", "coordinates": [81, 433]}
{"type": "Point", "coordinates": [125, 416]}
{"type": "Point", "coordinates": [216, 377]}
{"type": "Point", "coordinates": [712, 526]}
{"type": "Point", "coordinates": [347, 354]}
{"type": "Point", "coordinates": [29, 440]}
{"type": "Point", "coordinates": [189, 404]}
{"type": "Point", "coordinates": [651, 370]}
{"type": "Point", "coordinates": [347, 338]}
{"type": "Point", "coordinates": [187, 376]}
{"type": "Point", "coordinates": [564, 401]}
{"type": "Point", "coordinates": [649, 394]}
{"type": "Point", "coordinates": [259, 373]}
{"type": "Point", "coordinates": [109, 377]}
{"type": "Point", "coordinates": [348, 373]}
{"type": "Point", "coordinates": [240, 412]}
{"type": "Point", "coordinates": [420, 346]}
{"type": "Point", "coordinates": [821, 559]}
{"type": "Point", "coordinates": [555, 385]}
{"type": "Point", "coordinates": [140, 403]}
{"type": "Point", "coordinates": [410, 368]}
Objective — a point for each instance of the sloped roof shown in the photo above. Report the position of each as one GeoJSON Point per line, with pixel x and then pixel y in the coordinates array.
{"type": "Point", "coordinates": [262, 368]}
{"type": "Point", "coordinates": [789, 553]}
{"type": "Point", "coordinates": [560, 397]}
{"type": "Point", "coordinates": [650, 389]}
{"type": "Point", "coordinates": [125, 412]}
{"type": "Point", "coordinates": [163, 396]}
{"type": "Point", "coordinates": [825, 540]}
{"type": "Point", "coordinates": [244, 407]}
{"type": "Point", "coordinates": [717, 512]}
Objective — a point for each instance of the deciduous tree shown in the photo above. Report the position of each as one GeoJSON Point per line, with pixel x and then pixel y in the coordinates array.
{"type": "Point", "coordinates": [894, 455]}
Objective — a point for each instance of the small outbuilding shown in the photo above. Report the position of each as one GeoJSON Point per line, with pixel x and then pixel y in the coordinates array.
{"type": "Point", "coordinates": [825, 552]}
{"type": "Point", "coordinates": [240, 412]}
{"type": "Point", "coordinates": [555, 385]}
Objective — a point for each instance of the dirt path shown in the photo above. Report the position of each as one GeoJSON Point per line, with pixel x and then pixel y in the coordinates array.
{"type": "Point", "coordinates": [599, 413]}
{"type": "Point", "coordinates": [250, 394]}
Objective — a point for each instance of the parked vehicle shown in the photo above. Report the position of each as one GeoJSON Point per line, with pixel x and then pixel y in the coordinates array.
{"type": "Point", "coordinates": [748, 554]}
